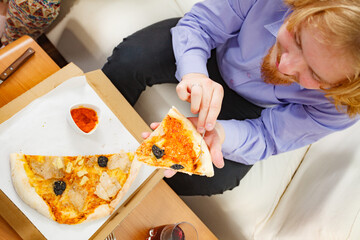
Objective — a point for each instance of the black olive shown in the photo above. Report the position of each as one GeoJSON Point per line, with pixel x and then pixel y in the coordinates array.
{"type": "Point", "coordinates": [102, 161]}
{"type": "Point", "coordinates": [177, 166]}
{"type": "Point", "coordinates": [59, 187]}
{"type": "Point", "coordinates": [158, 152]}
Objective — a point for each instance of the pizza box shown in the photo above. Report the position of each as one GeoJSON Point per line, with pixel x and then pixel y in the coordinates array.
{"type": "Point", "coordinates": [95, 86]}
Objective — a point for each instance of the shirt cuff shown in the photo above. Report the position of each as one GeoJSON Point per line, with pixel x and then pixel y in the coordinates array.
{"type": "Point", "coordinates": [235, 136]}
{"type": "Point", "coordinates": [191, 64]}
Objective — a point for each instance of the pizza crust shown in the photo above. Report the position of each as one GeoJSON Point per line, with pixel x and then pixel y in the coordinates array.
{"type": "Point", "coordinates": [134, 170]}
{"type": "Point", "coordinates": [99, 212]}
{"type": "Point", "coordinates": [23, 188]}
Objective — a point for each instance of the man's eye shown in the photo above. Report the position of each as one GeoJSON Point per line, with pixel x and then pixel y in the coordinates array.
{"type": "Point", "coordinates": [323, 84]}
{"type": "Point", "coordinates": [316, 77]}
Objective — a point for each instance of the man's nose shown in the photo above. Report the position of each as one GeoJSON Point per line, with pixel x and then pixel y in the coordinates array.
{"type": "Point", "coordinates": [291, 64]}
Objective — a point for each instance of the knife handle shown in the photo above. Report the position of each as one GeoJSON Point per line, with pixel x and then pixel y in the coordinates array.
{"type": "Point", "coordinates": [16, 64]}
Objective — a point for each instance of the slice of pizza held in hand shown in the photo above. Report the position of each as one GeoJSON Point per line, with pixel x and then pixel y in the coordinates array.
{"type": "Point", "coordinates": [73, 189]}
{"type": "Point", "coordinates": [176, 144]}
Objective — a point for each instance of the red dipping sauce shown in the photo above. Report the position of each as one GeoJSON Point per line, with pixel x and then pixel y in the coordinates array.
{"type": "Point", "coordinates": [85, 118]}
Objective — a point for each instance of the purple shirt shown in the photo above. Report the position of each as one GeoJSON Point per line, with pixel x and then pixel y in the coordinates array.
{"type": "Point", "coordinates": [242, 31]}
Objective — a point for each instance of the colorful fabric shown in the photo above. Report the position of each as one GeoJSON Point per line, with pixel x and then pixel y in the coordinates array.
{"type": "Point", "coordinates": [29, 17]}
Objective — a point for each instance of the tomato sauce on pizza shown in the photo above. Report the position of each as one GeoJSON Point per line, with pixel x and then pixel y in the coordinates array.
{"type": "Point", "coordinates": [179, 147]}
{"type": "Point", "coordinates": [176, 144]}
{"type": "Point", "coordinates": [174, 148]}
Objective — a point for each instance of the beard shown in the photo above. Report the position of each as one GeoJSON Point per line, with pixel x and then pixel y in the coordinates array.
{"type": "Point", "coordinates": [271, 74]}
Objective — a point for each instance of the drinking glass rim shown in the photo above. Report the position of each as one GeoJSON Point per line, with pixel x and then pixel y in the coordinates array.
{"type": "Point", "coordinates": [177, 224]}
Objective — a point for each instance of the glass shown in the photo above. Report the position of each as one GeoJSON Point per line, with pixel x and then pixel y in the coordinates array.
{"type": "Point", "coordinates": [177, 231]}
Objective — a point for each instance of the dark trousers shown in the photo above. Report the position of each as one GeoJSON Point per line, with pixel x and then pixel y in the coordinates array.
{"type": "Point", "coordinates": [146, 58]}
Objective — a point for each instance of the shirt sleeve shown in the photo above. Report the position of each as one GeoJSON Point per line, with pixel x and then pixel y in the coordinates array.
{"type": "Point", "coordinates": [280, 129]}
{"type": "Point", "coordinates": [206, 26]}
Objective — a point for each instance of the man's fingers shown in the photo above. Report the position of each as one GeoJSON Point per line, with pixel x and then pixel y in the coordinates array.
{"type": "Point", "coordinates": [145, 135]}
{"type": "Point", "coordinates": [215, 151]}
{"type": "Point", "coordinates": [168, 173]}
{"type": "Point", "coordinates": [182, 91]}
{"type": "Point", "coordinates": [217, 158]}
{"type": "Point", "coordinates": [214, 109]}
{"type": "Point", "coordinates": [154, 125]}
{"type": "Point", "coordinates": [205, 97]}
{"type": "Point", "coordinates": [204, 108]}
{"type": "Point", "coordinates": [196, 95]}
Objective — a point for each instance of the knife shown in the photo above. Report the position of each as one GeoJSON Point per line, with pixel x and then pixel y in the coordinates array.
{"type": "Point", "coordinates": [16, 64]}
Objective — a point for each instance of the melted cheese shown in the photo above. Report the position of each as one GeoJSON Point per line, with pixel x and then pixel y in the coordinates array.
{"type": "Point", "coordinates": [79, 199]}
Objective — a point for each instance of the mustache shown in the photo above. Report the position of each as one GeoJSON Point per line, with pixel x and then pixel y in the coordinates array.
{"type": "Point", "coordinates": [270, 73]}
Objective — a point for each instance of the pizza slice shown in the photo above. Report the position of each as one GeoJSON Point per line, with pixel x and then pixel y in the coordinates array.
{"type": "Point", "coordinates": [73, 189]}
{"type": "Point", "coordinates": [176, 144]}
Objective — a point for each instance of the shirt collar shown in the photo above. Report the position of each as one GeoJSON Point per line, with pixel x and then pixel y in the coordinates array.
{"type": "Point", "coordinates": [274, 27]}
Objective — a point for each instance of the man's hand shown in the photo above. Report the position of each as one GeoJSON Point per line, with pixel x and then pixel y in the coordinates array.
{"type": "Point", "coordinates": [214, 139]}
{"type": "Point", "coordinates": [205, 97]}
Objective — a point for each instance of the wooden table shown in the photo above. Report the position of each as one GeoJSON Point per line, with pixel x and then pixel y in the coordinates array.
{"type": "Point", "coordinates": [160, 206]}
{"type": "Point", "coordinates": [6, 231]}
{"type": "Point", "coordinates": [30, 74]}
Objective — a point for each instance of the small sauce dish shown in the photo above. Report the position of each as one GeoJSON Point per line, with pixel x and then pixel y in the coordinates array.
{"type": "Point", "coordinates": [84, 117]}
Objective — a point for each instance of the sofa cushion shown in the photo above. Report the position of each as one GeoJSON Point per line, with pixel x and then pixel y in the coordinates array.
{"type": "Point", "coordinates": [323, 199]}
{"type": "Point", "coordinates": [86, 32]}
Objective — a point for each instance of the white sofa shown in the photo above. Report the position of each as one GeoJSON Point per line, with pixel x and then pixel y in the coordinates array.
{"type": "Point", "coordinates": [309, 193]}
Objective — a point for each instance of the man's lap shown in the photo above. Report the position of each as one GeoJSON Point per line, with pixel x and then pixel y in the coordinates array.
{"type": "Point", "coordinates": [146, 58]}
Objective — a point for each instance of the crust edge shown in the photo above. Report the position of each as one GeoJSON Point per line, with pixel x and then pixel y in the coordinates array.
{"type": "Point", "coordinates": [23, 188]}
{"type": "Point", "coordinates": [134, 170]}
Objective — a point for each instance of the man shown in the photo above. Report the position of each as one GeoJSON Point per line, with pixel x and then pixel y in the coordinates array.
{"type": "Point", "coordinates": [277, 75]}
